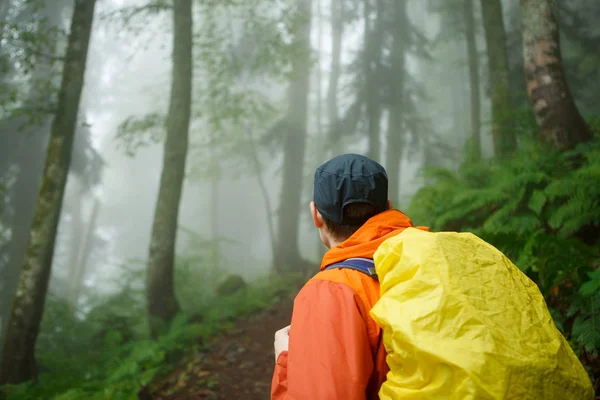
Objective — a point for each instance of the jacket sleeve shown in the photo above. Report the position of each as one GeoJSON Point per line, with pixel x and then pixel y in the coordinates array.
{"type": "Point", "coordinates": [329, 355]}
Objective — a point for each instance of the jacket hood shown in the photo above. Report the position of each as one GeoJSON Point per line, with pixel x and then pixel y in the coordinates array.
{"type": "Point", "coordinates": [365, 241]}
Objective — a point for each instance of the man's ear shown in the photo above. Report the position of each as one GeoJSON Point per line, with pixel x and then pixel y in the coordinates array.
{"type": "Point", "coordinates": [316, 216]}
{"type": "Point", "coordinates": [390, 205]}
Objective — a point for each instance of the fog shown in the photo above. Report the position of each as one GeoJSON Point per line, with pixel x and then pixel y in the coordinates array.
{"type": "Point", "coordinates": [185, 177]}
{"type": "Point", "coordinates": [128, 75]}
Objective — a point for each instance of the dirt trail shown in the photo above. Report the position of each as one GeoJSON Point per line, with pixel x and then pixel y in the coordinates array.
{"type": "Point", "coordinates": [237, 365]}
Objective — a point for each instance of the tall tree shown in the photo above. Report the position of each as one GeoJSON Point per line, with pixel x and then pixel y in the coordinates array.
{"type": "Point", "coordinates": [396, 115]}
{"type": "Point", "coordinates": [579, 35]}
{"type": "Point", "coordinates": [287, 255]}
{"type": "Point", "coordinates": [23, 141]}
{"type": "Point", "coordinates": [18, 358]}
{"type": "Point", "coordinates": [319, 73]}
{"type": "Point", "coordinates": [160, 293]}
{"type": "Point", "coordinates": [77, 228]}
{"type": "Point", "coordinates": [473, 57]}
{"type": "Point", "coordinates": [373, 42]}
{"type": "Point", "coordinates": [557, 116]}
{"type": "Point", "coordinates": [214, 173]}
{"type": "Point", "coordinates": [80, 268]}
{"type": "Point", "coordinates": [505, 141]}
{"type": "Point", "coordinates": [337, 29]}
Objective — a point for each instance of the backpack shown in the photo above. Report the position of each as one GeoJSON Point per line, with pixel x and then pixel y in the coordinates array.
{"type": "Point", "coordinates": [461, 322]}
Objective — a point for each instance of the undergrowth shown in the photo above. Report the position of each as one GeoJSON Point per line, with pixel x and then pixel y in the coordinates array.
{"type": "Point", "coordinates": [542, 209]}
{"type": "Point", "coordinates": [107, 353]}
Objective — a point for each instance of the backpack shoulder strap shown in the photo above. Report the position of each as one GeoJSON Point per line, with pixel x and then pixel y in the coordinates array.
{"type": "Point", "coordinates": [364, 265]}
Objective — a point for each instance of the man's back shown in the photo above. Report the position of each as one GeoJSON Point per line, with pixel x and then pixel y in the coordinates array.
{"type": "Point", "coordinates": [335, 347]}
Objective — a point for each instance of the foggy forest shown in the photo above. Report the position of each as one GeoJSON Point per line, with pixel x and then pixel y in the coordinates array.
{"type": "Point", "coordinates": [157, 162]}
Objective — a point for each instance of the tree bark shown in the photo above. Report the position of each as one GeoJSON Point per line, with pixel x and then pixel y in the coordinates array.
{"type": "Point", "coordinates": [287, 256]}
{"type": "Point", "coordinates": [473, 57]}
{"type": "Point", "coordinates": [337, 29]}
{"type": "Point", "coordinates": [26, 146]}
{"type": "Point", "coordinates": [160, 293]}
{"type": "Point", "coordinates": [23, 199]}
{"type": "Point", "coordinates": [395, 134]}
{"type": "Point", "coordinates": [18, 359]}
{"type": "Point", "coordinates": [557, 117]}
{"type": "Point", "coordinates": [504, 139]}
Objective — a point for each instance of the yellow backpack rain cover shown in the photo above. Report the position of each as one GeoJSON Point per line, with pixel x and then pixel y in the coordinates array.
{"type": "Point", "coordinates": [460, 321]}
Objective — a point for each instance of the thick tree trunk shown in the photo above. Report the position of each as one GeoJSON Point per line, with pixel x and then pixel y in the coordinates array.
{"type": "Point", "coordinates": [18, 361]}
{"type": "Point", "coordinates": [395, 134]}
{"type": "Point", "coordinates": [473, 57]}
{"type": "Point", "coordinates": [287, 256]}
{"type": "Point", "coordinates": [23, 198]}
{"type": "Point", "coordinates": [26, 146]}
{"type": "Point", "coordinates": [160, 293]}
{"type": "Point", "coordinates": [505, 141]}
{"type": "Point", "coordinates": [373, 42]}
{"type": "Point", "coordinates": [555, 111]}
{"type": "Point", "coordinates": [337, 29]}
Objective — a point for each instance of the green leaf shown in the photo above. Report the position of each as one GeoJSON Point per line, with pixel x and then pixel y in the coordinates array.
{"type": "Point", "coordinates": [537, 201]}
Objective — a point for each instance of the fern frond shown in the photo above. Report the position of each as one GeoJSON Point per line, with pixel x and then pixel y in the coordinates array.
{"type": "Point", "coordinates": [579, 210]}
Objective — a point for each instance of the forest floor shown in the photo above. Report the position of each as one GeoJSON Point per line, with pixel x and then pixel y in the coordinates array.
{"type": "Point", "coordinates": [236, 365]}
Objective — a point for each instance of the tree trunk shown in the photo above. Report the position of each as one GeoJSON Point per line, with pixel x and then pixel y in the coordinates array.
{"type": "Point", "coordinates": [264, 191]}
{"type": "Point", "coordinates": [473, 57]}
{"type": "Point", "coordinates": [337, 28]}
{"type": "Point", "coordinates": [319, 77]}
{"type": "Point", "coordinates": [4, 7]}
{"type": "Point", "coordinates": [505, 141]}
{"type": "Point", "coordinates": [215, 177]}
{"type": "Point", "coordinates": [76, 231]}
{"type": "Point", "coordinates": [373, 42]}
{"type": "Point", "coordinates": [321, 150]}
{"type": "Point", "coordinates": [27, 146]}
{"type": "Point", "coordinates": [84, 255]}
{"type": "Point", "coordinates": [395, 134]}
{"type": "Point", "coordinates": [18, 359]}
{"type": "Point", "coordinates": [161, 301]}
{"type": "Point", "coordinates": [287, 256]}
{"type": "Point", "coordinates": [555, 111]}
{"type": "Point", "coordinates": [23, 197]}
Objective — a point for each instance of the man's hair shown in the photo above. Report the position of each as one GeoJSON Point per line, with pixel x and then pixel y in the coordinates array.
{"type": "Point", "coordinates": [355, 215]}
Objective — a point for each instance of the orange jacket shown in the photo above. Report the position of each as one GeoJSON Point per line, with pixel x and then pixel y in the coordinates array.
{"type": "Point", "coordinates": [335, 349]}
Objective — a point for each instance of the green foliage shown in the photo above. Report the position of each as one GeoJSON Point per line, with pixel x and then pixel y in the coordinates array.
{"type": "Point", "coordinates": [232, 284]}
{"type": "Point", "coordinates": [237, 45]}
{"type": "Point", "coordinates": [106, 352]}
{"type": "Point", "coordinates": [30, 60]}
{"type": "Point", "coordinates": [586, 326]}
{"type": "Point", "coordinates": [541, 209]}
{"type": "Point", "coordinates": [137, 132]}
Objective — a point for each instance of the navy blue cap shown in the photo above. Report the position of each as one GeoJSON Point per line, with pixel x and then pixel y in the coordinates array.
{"type": "Point", "coordinates": [347, 179]}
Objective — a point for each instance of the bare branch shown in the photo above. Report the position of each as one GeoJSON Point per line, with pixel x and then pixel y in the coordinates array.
{"type": "Point", "coordinates": [126, 14]}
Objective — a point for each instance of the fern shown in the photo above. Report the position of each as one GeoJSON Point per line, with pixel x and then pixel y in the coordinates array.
{"type": "Point", "coordinates": [534, 208]}
{"type": "Point", "coordinates": [106, 356]}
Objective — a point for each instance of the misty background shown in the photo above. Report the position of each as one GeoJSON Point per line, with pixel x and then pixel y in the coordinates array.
{"type": "Point", "coordinates": [412, 84]}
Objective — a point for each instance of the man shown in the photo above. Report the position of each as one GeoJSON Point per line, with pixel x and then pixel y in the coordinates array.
{"type": "Point", "coordinates": [335, 348]}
